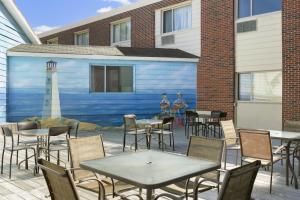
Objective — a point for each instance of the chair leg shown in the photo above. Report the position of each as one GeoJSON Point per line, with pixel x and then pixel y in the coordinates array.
{"type": "Point", "coordinates": [225, 158]}
{"type": "Point", "coordinates": [17, 160]}
{"type": "Point", "coordinates": [236, 157]}
{"type": "Point", "coordinates": [2, 158]}
{"type": "Point", "coordinates": [135, 142]}
{"type": "Point", "coordinates": [35, 170]}
{"type": "Point", "coordinates": [26, 159]}
{"type": "Point", "coordinates": [124, 141]}
{"type": "Point", "coordinates": [10, 162]}
{"type": "Point", "coordinates": [162, 142]}
{"type": "Point", "coordinates": [58, 158]}
{"type": "Point", "coordinates": [173, 141]}
{"type": "Point", "coordinates": [271, 178]}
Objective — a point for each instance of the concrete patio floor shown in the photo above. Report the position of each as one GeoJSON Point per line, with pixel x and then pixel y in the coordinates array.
{"type": "Point", "coordinates": [24, 185]}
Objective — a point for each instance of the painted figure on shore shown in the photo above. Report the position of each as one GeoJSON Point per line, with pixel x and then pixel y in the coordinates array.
{"type": "Point", "coordinates": [179, 106]}
{"type": "Point", "coordinates": [165, 104]}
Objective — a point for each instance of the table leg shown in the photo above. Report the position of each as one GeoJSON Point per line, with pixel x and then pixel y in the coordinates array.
{"type": "Point", "coordinates": [289, 166]}
{"type": "Point", "coordinates": [149, 194]}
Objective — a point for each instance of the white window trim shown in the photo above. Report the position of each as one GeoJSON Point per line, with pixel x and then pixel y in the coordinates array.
{"type": "Point", "coordinates": [172, 7]}
{"type": "Point", "coordinates": [105, 89]}
{"type": "Point", "coordinates": [53, 39]}
{"type": "Point", "coordinates": [251, 95]}
{"type": "Point", "coordinates": [79, 33]}
{"type": "Point", "coordinates": [112, 24]}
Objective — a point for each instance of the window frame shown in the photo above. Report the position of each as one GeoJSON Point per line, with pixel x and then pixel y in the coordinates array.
{"type": "Point", "coordinates": [252, 100]}
{"type": "Point", "coordinates": [172, 8]}
{"type": "Point", "coordinates": [121, 21]}
{"type": "Point", "coordinates": [52, 39]}
{"type": "Point", "coordinates": [76, 34]}
{"type": "Point", "coordinates": [251, 10]}
{"type": "Point", "coordinates": [105, 89]}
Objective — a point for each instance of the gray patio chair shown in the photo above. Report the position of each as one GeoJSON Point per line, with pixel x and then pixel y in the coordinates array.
{"type": "Point", "coordinates": [131, 128]}
{"type": "Point", "coordinates": [60, 182]}
{"type": "Point", "coordinates": [166, 129]}
{"type": "Point", "coordinates": [90, 148]}
{"type": "Point", "coordinates": [26, 125]}
{"type": "Point", "coordinates": [55, 143]}
{"type": "Point", "coordinates": [202, 148]}
{"type": "Point", "coordinates": [231, 140]}
{"type": "Point", "coordinates": [256, 145]}
{"type": "Point", "coordinates": [7, 133]}
{"type": "Point", "coordinates": [74, 128]}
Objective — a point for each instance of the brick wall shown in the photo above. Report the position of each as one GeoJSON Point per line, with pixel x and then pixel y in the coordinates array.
{"type": "Point", "coordinates": [142, 26]}
{"type": "Point", "coordinates": [291, 59]}
{"type": "Point", "coordinates": [216, 69]}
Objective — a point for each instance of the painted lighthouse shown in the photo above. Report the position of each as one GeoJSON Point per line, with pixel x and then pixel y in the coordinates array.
{"type": "Point", "coordinates": [51, 106]}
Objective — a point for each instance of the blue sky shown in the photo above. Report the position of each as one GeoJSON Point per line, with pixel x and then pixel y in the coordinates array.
{"type": "Point", "coordinates": [44, 15]}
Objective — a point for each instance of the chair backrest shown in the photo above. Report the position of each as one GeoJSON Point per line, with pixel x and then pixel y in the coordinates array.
{"type": "Point", "coordinates": [216, 114]}
{"type": "Point", "coordinates": [82, 149]}
{"type": "Point", "coordinates": [27, 125]}
{"type": "Point", "coordinates": [167, 120]}
{"type": "Point", "coordinates": [74, 127]}
{"type": "Point", "coordinates": [255, 144]}
{"type": "Point", "coordinates": [7, 132]}
{"type": "Point", "coordinates": [206, 148]}
{"type": "Point", "coordinates": [129, 122]}
{"type": "Point", "coordinates": [59, 181]}
{"type": "Point", "coordinates": [229, 132]}
{"type": "Point", "coordinates": [238, 183]}
{"type": "Point", "coordinates": [293, 126]}
{"type": "Point", "coordinates": [59, 130]}
{"type": "Point", "coordinates": [204, 112]}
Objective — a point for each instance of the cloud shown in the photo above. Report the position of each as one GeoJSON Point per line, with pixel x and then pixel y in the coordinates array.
{"type": "Point", "coordinates": [104, 9]}
{"type": "Point", "coordinates": [43, 28]}
{"type": "Point", "coordinates": [123, 2]}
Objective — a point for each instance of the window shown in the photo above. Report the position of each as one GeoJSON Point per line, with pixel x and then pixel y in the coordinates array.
{"type": "Point", "coordinates": [111, 79]}
{"type": "Point", "coordinates": [53, 41]}
{"type": "Point", "coordinates": [260, 86]}
{"type": "Point", "coordinates": [81, 38]}
{"type": "Point", "coordinates": [248, 8]}
{"type": "Point", "coordinates": [177, 19]}
{"type": "Point", "coordinates": [121, 31]}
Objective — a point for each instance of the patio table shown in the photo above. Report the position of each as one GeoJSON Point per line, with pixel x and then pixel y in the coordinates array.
{"type": "Point", "coordinates": [289, 137]}
{"type": "Point", "coordinates": [151, 122]}
{"type": "Point", "coordinates": [150, 169]}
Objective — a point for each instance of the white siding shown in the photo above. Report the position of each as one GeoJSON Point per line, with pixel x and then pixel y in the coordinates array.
{"type": "Point", "coordinates": [187, 40]}
{"type": "Point", "coordinates": [261, 49]}
{"type": "Point", "coordinates": [259, 115]}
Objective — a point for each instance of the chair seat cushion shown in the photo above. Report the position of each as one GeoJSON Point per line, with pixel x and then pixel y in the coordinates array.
{"type": "Point", "coordinates": [93, 186]}
{"type": "Point", "coordinates": [29, 142]}
{"type": "Point", "coordinates": [234, 147]}
{"type": "Point", "coordinates": [165, 132]}
{"type": "Point", "coordinates": [18, 147]}
{"type": "Point", "coordinates": [263, 162]}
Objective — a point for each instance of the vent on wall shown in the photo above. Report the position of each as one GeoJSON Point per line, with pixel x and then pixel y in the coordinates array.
{"type": "Point", "coordinates": [168, 39]}
{"type": "Point", "coordinates": [247, 26]}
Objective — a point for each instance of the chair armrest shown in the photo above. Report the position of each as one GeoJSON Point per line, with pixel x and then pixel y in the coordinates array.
{"type": "Point", "coordinates": [101, 194]}
{"type": "Point", "coordinates": [126, 197]}
{"type": "Point", "coordinates": [168, 195]}
{"type": "Point", "coordinates": [279, 149]}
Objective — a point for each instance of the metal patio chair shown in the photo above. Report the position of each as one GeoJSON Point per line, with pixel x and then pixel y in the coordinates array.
{"type": "Point", "coordinates": [26, 125]}
{"type": "Point", "coordinates": [74, 128]}
{"type": "Point", "coordinates": [202, 148]}
{"type": "Point", "coordinates": [56, 144]}
{"type": "Point", "coordinates": [131, 128]}
{"type": "Point", "coordinates": [237, 185]}
{"type": "Point", "coordinates": [231, 139]}
{"type": "Point", "coordinates": [90, 148]}
{"type": "Point", "coordinates": [256, 145]}
{"type": "Point", "coordinates": [190, 122]}
{"type": "Point", "coordinates": [60, 182]}
{"type": "Point", "coordinates": [166, 129]}
{"type": "Point", "coordinates": [7, 133]}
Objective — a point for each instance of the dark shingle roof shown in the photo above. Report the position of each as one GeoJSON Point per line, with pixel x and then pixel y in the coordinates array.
{"type": "Point", "coordinates": [103, 51]}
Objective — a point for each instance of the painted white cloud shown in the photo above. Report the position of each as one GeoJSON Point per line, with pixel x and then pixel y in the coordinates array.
{"type": "Point", "coordinates": [43, 28]}
{"type": "Point", "coordinates": [104, 9]}
{"type": "Point", "coordinates": [123, 2]}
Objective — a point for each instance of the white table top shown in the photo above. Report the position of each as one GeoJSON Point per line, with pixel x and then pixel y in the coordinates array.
{"type": "Point", "coordinates": [149, 121]}
{"type": "Point", "coordinates": [285, 135]}
{"type": "Point", "coordinates": [34, 132]}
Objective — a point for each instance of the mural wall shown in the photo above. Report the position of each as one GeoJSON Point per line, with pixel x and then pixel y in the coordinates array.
{"type": "Point", "coordinates": [26, 89]}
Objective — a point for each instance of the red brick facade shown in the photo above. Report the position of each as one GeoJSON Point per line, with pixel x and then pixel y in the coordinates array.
{"type": "Point", "coordinates": [142, 27]}
{"type": "Point", "coordinates": [216, 70]}
{"type": "Point", "coordinates": [291, 59]}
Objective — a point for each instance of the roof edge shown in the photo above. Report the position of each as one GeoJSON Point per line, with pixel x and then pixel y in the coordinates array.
{"type": "Point", "coordinates": [76, 56]}
{"type": "Point", "coordinates": [20, 19]}
{"type": "Point", "coordinates": [112, 13]}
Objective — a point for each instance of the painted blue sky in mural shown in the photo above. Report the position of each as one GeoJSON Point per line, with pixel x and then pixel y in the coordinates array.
{"type": "Point", "coordinates": [45, 15]}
